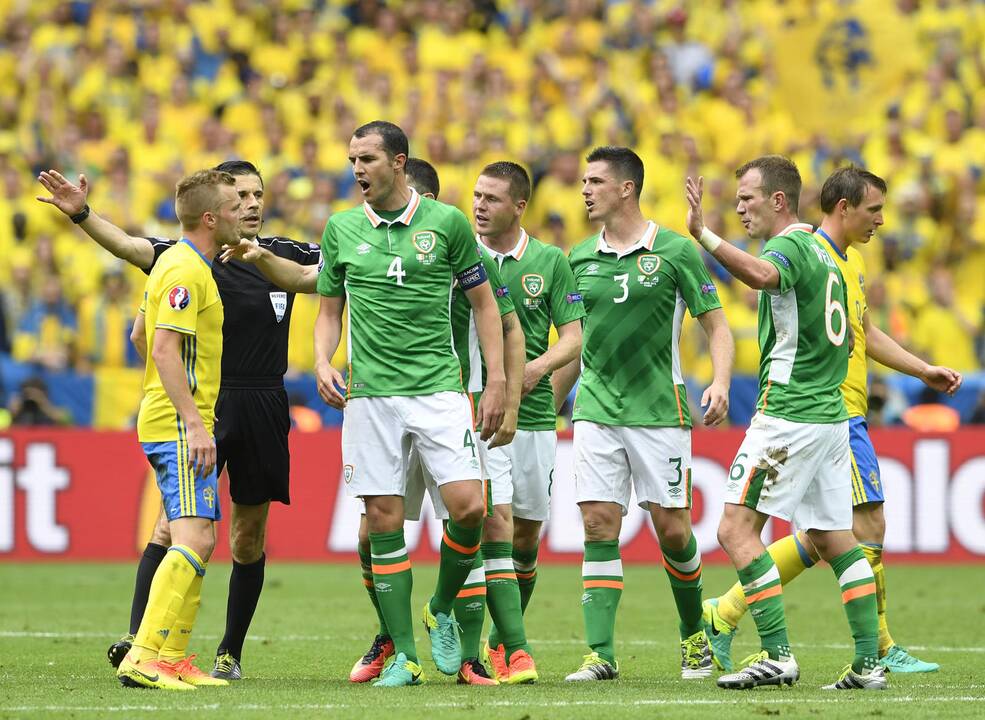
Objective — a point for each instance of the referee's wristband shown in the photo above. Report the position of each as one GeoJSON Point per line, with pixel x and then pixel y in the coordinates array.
{"type": "Point", "coordinates": [80, 217]}
{"type": "Point", "coordinates": [709, 240]}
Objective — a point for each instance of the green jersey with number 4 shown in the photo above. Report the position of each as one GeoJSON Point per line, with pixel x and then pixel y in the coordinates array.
{"type": "Point", "coordinates": [544, 292]}
{"type": "Point", "coordinates": [397, 275]}
{"type": "Point", "coordinates": [636, 299]}
{"type": "Point", "coordinates": [803, 332]}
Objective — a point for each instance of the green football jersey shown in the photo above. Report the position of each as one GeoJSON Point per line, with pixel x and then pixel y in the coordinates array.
{"type": "Point", "coordinates": [397, 277]}
{"type": "Point", "coordinates": [635, 300]}
{"type": "Point", "coordinates": [544, 291]}
{"type": "Point", "coordinates": [464, 333]}
{"type": "Point", "coordinates": [803, 340]}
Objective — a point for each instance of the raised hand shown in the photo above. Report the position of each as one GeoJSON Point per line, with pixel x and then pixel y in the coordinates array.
{"type": "Point", "coordinates": [695, 217]}
{"type": "Point", "coordinates": [65, 195]}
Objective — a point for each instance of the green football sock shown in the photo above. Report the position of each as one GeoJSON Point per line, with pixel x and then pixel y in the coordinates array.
{"type": "Point", "coordinates": [602, 580]}
{"type": "Point", "coordinates": [470, 609]}
{"type": "Point", "coordinates": [458, 548]}
{"type": "Point", "coordinates": [858, 593]}
{"type": "Point", "coordinates": [504, 598]}
{"type": "Point", "coordinates": [366, 564]}
{"type": "Point", "coordinates": [525, 564]}
{"type": "Point", "coordinates": [684, 570]}
{"type": "Point", "coordinates": [764, 594]}
{"type": "Point", "coordinates": [394, 581]}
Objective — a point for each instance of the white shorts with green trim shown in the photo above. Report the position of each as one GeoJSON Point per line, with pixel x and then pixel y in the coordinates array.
{"type": "Point", "coordinates": [378, 434]}
{"type": "Point", "coordinates": [612, 461]}
{"type": "Point", "coordinates": [800, 472]}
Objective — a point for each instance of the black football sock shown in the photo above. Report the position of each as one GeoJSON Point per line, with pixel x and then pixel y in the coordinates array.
{"type": "Point", "coordinates": [152, 557]}
{"type": "Point", "coordinates": [245, 584]}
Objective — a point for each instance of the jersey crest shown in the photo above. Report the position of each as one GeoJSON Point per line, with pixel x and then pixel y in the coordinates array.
{"type": "Point", "coordinates": [533, 284]}
{"type": "Point", "coordinates": [648, 264]}
{"type": "Point", "coordinates": [425, 241]}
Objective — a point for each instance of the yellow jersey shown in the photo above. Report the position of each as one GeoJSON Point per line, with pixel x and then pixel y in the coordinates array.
{"type": "Point", "coordinates": [855, 387]}
{"type": "Point", "coordinates": [182, 296]}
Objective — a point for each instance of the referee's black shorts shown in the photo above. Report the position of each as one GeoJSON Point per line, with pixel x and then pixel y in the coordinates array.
{"type": "Point", "coordinates": [252, 423]}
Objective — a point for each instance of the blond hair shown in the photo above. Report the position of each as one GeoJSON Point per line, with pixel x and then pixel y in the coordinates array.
{"type": "Point", "coordinates": [198, 194]}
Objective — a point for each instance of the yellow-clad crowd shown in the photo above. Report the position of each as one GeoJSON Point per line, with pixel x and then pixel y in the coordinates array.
{"type": "Point", "coordinates": [137, 93]}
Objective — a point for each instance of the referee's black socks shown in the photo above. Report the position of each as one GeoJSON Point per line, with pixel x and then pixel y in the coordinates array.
{"type": "Point", "coordinates": [245, 584]}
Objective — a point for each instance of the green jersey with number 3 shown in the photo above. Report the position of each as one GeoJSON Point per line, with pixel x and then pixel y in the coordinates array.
{"type": "Point", "coordinates": [397, 275]}
{"type": "Point", "coordinates": [803, 332]}
{"type": "Point", "coordinates": [636, 299]}
{"type": "Point", "coordinates": [544, 292]}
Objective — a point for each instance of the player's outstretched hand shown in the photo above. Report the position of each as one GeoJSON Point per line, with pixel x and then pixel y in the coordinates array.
{"type": "Point", "coordinates": [65, 195]}
{"type": "Point", "coordinates": [492, 407]}
{"type": "Point", "coordinates": [694, 191]}
{"type": "Point", "coordinates": [201, 451]}
{"type": "Point", "coordinates": [245, 250]}
{"type": "Point", "coordinates": [715, 400]}
{"type": "Point", "coordinates": [942, 379]}
{"type": "Point", "coordinates": [329, 380]}
{"type": "Point", "coordinates": [507, 431]}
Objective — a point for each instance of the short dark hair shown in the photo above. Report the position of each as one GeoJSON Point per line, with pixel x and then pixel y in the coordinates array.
{"type": "Point", "coordinates": [849, 183]}
{"type": "Point", "coordinates": [422, 175]}
{"type": "Point", "coordinates": [239, 167]}
{"type": "Point", "coordinates": [518, 177]}
{"type": "Point", "coordinates": [624, 162]}
{"type": "Point", "coordinates": [394, 140]}
{"type": "Point", "coordinates": [779, 175]}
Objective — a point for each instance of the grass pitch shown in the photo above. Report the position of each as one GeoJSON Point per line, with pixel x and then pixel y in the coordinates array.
{"type": "Point", "coordinates": [314, 621]}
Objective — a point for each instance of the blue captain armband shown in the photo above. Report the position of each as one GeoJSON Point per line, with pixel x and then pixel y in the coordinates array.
{"type": "Point", "coordinates": [472, 277]}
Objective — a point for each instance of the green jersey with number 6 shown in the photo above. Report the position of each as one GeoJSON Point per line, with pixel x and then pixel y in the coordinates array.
{"type": "Point", "coordinates": [397, 272]}
{"type": "Point", "coordinates": [803, 332]}
{"type": "Point", "coordinates": [545, 294]}
{"type": "Point", "coordinates": [636, 299]}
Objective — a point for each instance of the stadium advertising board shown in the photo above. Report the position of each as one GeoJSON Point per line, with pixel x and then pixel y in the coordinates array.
{"type": "Point", "coordinates": [86, 495]}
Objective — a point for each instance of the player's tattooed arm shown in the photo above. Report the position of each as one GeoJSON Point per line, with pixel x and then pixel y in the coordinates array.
{"type": "Point", "coordinates": [566, 349]}
{"type": "Point", "coordinates": [883, 349]}
{"type": "Point", "coordinates": [755, 272]}
{"type": "Point", "coordinates": [514, 359]}
{"type": "Point", "coordinates": [328, 332]}
{"type": "Point", "coordinates": [284, 273]}
{"type": "Point", "coordinates": [71, 200]}
{"type": "Point", "coordinates": [563, 380]}
{"type": "Point", "coordinates": [722, 347]}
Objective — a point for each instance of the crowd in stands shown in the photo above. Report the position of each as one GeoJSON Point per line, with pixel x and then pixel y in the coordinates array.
{"type": "Point", "coordinates": [135, 94]}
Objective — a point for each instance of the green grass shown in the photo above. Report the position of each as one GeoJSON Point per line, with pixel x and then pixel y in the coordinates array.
{"type": "Point", "coordinates": [56, 621]}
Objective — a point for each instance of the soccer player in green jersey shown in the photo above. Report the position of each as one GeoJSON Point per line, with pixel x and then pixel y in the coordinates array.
{"type": "Point", "coordinates": [795, 461]}
{"type": "Point", "coordinates": [851, 202]}
{"type": "Point", "coordinates": [543, 288]}
{"type": "Point", "coordinates": [391, 263]}
{"type": "Point", "coordinates": [631, 417]}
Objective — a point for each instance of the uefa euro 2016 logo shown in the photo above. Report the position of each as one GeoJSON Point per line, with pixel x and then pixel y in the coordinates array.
{"type": "Point", "coordinates": [842, 53]}
{"type": "Point", "coordinates": [179, 298]}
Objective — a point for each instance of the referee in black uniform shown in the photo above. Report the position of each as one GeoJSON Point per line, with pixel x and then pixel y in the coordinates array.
{"type": "Point", "coordinates": [252, 414]}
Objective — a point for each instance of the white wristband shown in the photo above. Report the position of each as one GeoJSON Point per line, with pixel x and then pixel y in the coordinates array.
{"type": "Point", "coordinates": [709, 240]}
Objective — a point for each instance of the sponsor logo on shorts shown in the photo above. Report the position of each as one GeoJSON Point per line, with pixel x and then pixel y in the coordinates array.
{"type": "Point", "coordinates": [208, 494]}
{"type": "Point", "coordinates": [425, 241]}
{"type": "Point", "coordinates": [347, 472]}
{"type": "Point", "coordinates": [533, 284]}
{"type": "Point", "coordinates": [179, 297]}
{"type": "Point", "coordinates": [674, 491]}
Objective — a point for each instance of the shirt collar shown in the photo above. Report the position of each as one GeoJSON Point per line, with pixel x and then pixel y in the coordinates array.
{"type": "Point", "coordinates": [405, 217]}
{"type": "Point", "coordinates": [644, 243]}
{"type": "Point", "coordinates": [803, 227]}
{"type": "Point", "coordinates": [842, 255]}
{"type": "Point", "coordinates": [188, 242]}
{"type": "Point", "coordinates": [516, 252]}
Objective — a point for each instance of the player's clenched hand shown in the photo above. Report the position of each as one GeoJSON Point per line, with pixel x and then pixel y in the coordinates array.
{"type": "Point", "coordinates": [65, 195]}
{"type": "Point", "coordinates": [715, 400]}
{"type": "Point", "coordinates": [201, 451]}
{"type": "Point", "coordinates": [942, 379]}
{"type": "Point", "coordinates": [492, 407]}
{"type": "Point", "coordinates": [507, 431]}
{"type": "Point", "coordinates": [694, 191]}
{"type": "Point", "coordinates": [245, 250]}
{"type": "Point", "coordinates": [329, 380]}
{"type": "Point", "coordinates": [531, 376]}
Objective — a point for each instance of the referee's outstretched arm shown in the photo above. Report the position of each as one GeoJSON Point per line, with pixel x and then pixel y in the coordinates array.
{"type": "Point", "coordinates": [71, 200]}
{"type": "Point", "coordinates": [287, 274]}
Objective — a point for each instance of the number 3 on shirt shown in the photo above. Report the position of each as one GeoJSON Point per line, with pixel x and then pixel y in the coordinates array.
{"type": "Point", "coordinates": [832, 307]}
{"type": "Point", "coordinates": [623, 280]}
{"type": "Point", "coordinates": [396, 270]}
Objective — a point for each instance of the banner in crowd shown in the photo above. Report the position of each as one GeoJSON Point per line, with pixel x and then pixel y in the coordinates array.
{"type": "Point", "coordinates": [88, 495]}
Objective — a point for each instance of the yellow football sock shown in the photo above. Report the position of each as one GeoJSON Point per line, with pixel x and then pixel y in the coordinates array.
{"type": "Point", "coordinates": [172, 581]}
{"type": "Point", "coordinates": [176, 645]}
{"type": "Point", "coordinates": [873, 553]}
{"type": "Point", "coordinates": [791, 557]}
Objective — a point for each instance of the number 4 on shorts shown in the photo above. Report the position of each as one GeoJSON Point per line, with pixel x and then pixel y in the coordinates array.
{"type": "Point", "coordinates": [469, 442]}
